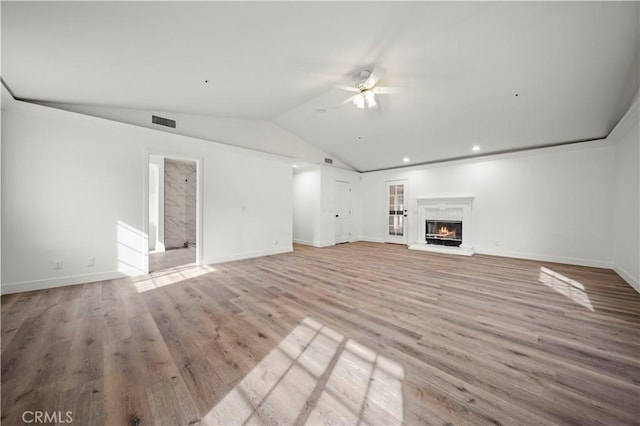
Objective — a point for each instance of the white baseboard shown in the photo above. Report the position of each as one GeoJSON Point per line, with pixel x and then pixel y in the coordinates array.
{"type": "Point", "coordinates": [633, 282]}
{"type": "Point", "coordinates": [248, 255]}
{"type": "Point", "coordinates": [65, 281]}
{"type": "Point", "coordinates": [111, 275]}
{"type": "Point", "coordinates": [547, 258]}
{"type": "Point", "coordinates": [371, 239]}
{"type": "Point", "coordinates": [314, 243]}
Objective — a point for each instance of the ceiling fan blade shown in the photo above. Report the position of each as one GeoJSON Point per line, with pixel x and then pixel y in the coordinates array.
{"type": "Point", "coordinates": [386, 90]}
{"type": "Point", "coordinates": [374, 77]}
{"type": "Point", "coordinates": [343, 103]}
{"type": "Point", "coordinates": [379, 109]}
{"type": "Point", "coordinates": [347, 88]}
{"type": "Point", "coordinates": [349, 99]}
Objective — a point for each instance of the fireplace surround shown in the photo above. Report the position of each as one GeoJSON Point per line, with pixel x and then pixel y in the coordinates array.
{"type": "Point", "coordinates": [444, 224]}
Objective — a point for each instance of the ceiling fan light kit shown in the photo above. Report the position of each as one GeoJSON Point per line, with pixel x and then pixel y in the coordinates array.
{"type": "Point", "coordinates": [366, 97]}
{"type": "Point", "coordinates": [366, 90]}
{"type": "Point", "coordinates": [370, 98]}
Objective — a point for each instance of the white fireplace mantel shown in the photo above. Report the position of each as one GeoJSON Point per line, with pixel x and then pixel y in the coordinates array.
{"type": "Point", "coordinates": [445, 208]}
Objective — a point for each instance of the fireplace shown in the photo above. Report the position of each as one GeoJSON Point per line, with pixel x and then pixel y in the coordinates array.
{"type": "Point", "coordinates": [440, 224]}
{"type": "Point", "coordinates": [443, 232]}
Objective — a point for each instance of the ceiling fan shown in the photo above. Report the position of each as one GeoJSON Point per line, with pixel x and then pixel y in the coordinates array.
{"type": "Point", "coordinates": [367, 90]}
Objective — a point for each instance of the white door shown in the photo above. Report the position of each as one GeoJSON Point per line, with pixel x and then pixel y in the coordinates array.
{"type": "Point", "coordinates": [342, 211]}
{"type": "Point", "coordinates": [396, 224]}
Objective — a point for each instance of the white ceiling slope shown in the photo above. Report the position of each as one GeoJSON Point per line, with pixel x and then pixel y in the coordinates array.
{"type": "Point", "coordinates": [257, 135]}
{"type": "Point", "coordinates": [573, 65]}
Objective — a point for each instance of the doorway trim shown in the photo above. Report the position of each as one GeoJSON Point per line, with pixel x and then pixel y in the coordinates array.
{"type": "Point", "coordinates": [145, 200]}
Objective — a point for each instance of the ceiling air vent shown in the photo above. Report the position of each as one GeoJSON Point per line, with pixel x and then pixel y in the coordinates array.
{"type": "Point", "coordinates": [328, 160]}
{"type": "Point", "coordinates": [163, 121]}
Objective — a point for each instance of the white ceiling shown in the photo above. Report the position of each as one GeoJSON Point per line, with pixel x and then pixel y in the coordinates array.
{"type": "Point", "coordinates": [574, 66]}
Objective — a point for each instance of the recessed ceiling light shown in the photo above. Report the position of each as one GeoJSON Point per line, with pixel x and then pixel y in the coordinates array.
{"type": "Point", "coordinates": [475, 148]}
{"type": "Point", "coordinates": [295, 166]}
{"type": "Point", "coordinates": [406, 159]}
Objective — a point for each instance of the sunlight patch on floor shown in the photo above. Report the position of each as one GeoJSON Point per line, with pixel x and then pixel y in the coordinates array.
{"type": "Point", "coordinates": [348, 383]}
{"type": "Point", "coordinates": [569, 288]}
{"type": "Point", "coordinates": [364, 387]}
{"type": "Point", "coordinates": [170, 276]}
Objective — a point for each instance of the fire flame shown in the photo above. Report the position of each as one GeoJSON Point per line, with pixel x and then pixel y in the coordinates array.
{"type": "Point", "coordinates": [445, 232]}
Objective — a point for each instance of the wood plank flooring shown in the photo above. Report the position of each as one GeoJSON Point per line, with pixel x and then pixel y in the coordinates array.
{"type": "Point", "coordinates": [358, 333]}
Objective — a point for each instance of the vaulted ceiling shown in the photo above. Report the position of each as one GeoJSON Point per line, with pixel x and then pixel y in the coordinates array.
{"type": "Point", "coordinates": [503, 76]}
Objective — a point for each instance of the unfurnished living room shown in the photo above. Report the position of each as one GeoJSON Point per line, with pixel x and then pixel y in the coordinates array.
{"type": "Point", "coordinates": [320, 213]}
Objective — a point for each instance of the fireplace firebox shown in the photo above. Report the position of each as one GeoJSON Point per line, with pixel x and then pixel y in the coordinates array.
{"type": "Point", "coordinates": [444, 232]}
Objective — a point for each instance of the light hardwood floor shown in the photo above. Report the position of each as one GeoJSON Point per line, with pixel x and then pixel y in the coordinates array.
{"type": "Point", "coordinates": [356, 333]}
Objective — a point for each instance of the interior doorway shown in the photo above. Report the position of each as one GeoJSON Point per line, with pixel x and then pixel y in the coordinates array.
{"type": "Point", "coordinates": [173, 212]}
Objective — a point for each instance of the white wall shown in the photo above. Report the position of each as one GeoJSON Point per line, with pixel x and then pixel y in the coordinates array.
{"type": "Point", "coordinates": [314, 190]}
{"type": "Point", "coordinates": [74, 187]}
{"type": "Point", "coordinates": [551, 204]}
{"type": "Point", "coordinates": [626, 188]}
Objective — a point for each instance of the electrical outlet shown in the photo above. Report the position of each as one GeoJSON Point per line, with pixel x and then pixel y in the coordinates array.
{"type": "Point", "coordinates": [91, 261]}
{"type": "Point", "coordinates": [57, 264]}
{"type": "Point", "coordinates": [497, 243]}
{"type": "Point", "coordinates": [275, 242]}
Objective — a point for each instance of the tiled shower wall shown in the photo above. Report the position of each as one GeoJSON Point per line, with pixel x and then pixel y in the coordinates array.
{"type": "Point", "coordinates": [179, 203]}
